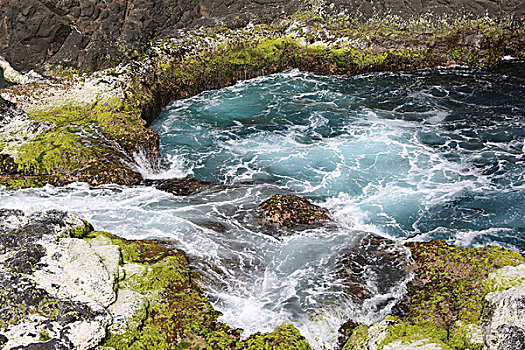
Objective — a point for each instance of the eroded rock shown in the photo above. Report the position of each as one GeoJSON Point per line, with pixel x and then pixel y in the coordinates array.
{"type": "Point", "coordinates": [504, 314]}
{"type": "Point", "coordinates": [30, 312]}
{"type": "Point", "coordinates": [449, 306]}
{"type": "Point", "coordinates": [291, 212]}
{"type": "Point", "coordinates": [63, 286]}
{"type": "Point", "coordinates": [375, 266]}
{"type": "Point", "coordinates": [184, 186]}
{"type": "Point", "coordinates": [91, 35]}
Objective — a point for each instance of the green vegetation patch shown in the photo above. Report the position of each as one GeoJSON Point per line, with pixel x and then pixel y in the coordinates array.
{"type": "Point", "coordinates": [445, 299]}
{"type": "Point", "coordinates": [449, 286]}
{"type": "Point", "coordinates": [178, 315]}
{"type": "Point", "coordinates": [82, 143]}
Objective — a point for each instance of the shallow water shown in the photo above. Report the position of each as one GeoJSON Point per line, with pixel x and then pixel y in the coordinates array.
{"type": "Point", "coordinates": [437, 153]}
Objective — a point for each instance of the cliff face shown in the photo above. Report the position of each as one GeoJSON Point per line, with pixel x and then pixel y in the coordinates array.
{"type": "Point", "coordinates": [96, 34]}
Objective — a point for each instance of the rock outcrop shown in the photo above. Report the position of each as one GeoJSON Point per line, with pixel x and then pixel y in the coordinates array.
{"type": "Point", "coordinates": [460, 298]}
{"type": "Point", "coordinates": [375, 266]}
{"type": "Point", "coordinates": [96, 34]}
{"type": "Point", "coordinates": [79, 131]}
{"type": "Point", "coordinates": [184, 186]}
{"type": "Point", "coordinates": [504, 313]}
{"type": "Point", "coordinates": [96, 125]}
{"type": "Point", "coordinates": [66, 310]}
{"type": "Point", "coordinates": [291, 212]}
{"type": "Point", "coordinates": [64, 286]}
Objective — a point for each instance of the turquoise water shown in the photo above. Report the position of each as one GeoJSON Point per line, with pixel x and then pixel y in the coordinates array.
{"type": "Point", "coordinates": [437, 153]}
{"type": "Point", "coordinates": [432, 154]}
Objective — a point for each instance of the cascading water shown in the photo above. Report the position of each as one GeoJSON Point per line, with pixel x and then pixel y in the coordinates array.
{"type": "Point", "coordinates": [436, 153]}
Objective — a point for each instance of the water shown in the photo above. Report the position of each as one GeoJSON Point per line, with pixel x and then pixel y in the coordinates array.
{"type": "Point", "coordinates": [436, 153]}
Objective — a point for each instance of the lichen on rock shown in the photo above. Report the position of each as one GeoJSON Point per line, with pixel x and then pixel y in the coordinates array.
{"type": "Point", "coordinates": [66, 286]}
{"type": "Point", "coordinates": [291, 212]}
{"type": "Point", "coordinates": [89, 128]}
{"type": "Point", "coordinates": [460, 298]}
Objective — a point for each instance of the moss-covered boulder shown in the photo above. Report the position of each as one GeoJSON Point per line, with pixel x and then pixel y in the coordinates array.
{"type": "Point", "coordinates": [291, 212]}
{"type": "Point", "coordinates": [65, 286]}
{"type": "Point", "coordinates": [79, 130]}
{"type": "Point", "coordinates": [448, 304]}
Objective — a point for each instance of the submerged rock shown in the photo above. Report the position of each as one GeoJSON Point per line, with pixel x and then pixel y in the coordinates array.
{"type": "Point", "coordinates": [375, 266]}
{"type": "Point", "coordinates": [184, 186]}
{"type": "Point", "coordinates": [291, 212]}
{"type": "Point", "coordinates": [458, 299]}
{"type": "Point", "coordinates": [64, 286]}
{"type": "Point", "coordinates": [213, 225]}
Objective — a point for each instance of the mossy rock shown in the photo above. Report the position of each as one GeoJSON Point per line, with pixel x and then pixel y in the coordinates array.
{"type": "Point", "coordinates": [445, 300]}
{"type": "Point", "coordinates": [449, 283]}
{"type": "Point", "coordinates": [291, 211]}
{"type": "Point", "coordinates": [178, 315]}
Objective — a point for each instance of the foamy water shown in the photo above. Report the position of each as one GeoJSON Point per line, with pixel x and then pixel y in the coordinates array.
{"type": "Point", "coordinates": [431, 154]}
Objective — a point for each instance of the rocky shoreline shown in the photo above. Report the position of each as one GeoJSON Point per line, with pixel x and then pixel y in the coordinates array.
{"type": "Point", "coordinates": [81, 114]}
{"type": "Point", "coordinates": [67, 127]}
{"type": "Point", "coordinates": [66, 286]}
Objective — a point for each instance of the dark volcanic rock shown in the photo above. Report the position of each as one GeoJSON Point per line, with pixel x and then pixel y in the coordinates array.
{"type": "Point", "coordinates": [21, 244]}
{"type": "Point", "coordinates": [213, 225]}
{"type": "Point", "coordinates": [375, 265]}
{"type": "Point", "coordinates": [94, 34]}
{"type": "Point", "coordinates": [290, 212]}
{"type": "Point", "coordinates": [183, 187]}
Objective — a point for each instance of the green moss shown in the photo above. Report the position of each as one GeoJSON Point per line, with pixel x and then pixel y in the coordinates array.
{"type": "Point", "coordinates": [168, 272]}
{"type": "Point", "coordinates": [16, 183]}
{"type": "Point", "coordinates": [450, 279]}
{"type": "Point", "coordinates": [465, 336]}
{"type": "Point", "coordinates": [358, 339]}
{"type": "Point", "coordinates": [446, 298]}
{"type": "Point", "coordinates": [422, 332]}
{"type": "Point", "coordinates": [178, 315]}
{"type": "Point", "coordinates": [79, 231]}
{"type": "Point", "coordinates": [503, 279]}
{"type": "Point", "coordinates": [43, 336]}
{"type": "Point", "coordinates": [79, 144]}
{"type": "Point", "coordinates": [283, 338]}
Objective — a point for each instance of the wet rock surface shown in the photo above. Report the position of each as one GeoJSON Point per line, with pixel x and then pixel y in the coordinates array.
{"type": "Point", "coordinates": [291, 212]}
{"type": "Point", "coordinates": [384, 262]}
{"type": "Point", "coordinates": [459, 298]}
{"type": "Point", "coordinates": [184, 186]}
{"type": "Point", "coordinates": [65, 286]}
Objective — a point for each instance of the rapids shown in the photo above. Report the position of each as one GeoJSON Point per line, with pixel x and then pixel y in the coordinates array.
{"type": "Point", "coordinates": [435, 153]}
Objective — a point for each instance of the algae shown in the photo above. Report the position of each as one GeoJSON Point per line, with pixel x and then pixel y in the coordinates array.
{"type": "Point", "coordinates": [445, 301]}
{"type": "Point", "coordinates": [96, 142]}
{"type": "Point", "coordinates": [178, 315]}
